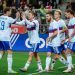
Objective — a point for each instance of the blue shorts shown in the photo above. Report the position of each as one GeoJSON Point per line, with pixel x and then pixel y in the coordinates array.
{"type": "Point", "coordinates": [56, 50]}
{"type": "Point", "coordinates": [34, 47]}
{"type": "Point", "coordinates": [4, 45]}
{"type": "Point", "coordinates": [70, 45]}
{"type": "Point", "coordinates": [63, 47]}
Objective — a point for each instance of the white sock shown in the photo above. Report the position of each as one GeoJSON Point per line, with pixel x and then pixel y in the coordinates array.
{"type": "Point", "coordinates": [53, 63]}
{"type": "Point", "coordinates": [62, 60]}
{"type": "Point", "coordinates": [69, 60]}
{"type": "Point", "coordinates": [9, 60]}
{"type": "Point", "coordinates": [48, 61]}
{"type": "Point", "coordinates": [39, 65]}
{"type": "Point", "coordinates": [27, 65]}
{"type": "Point", "coordinates": [1, 55]}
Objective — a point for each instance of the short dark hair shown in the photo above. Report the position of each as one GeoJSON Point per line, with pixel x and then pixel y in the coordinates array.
{"type": "Point", "coordinates": [70, 11]}
{"type": "Point", "coordinates": [6, 9]}
{"type": "Point", "coordinates": [50, 13]}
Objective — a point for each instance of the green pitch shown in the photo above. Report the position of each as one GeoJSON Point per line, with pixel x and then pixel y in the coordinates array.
{"type": "Point", "coordinates": [20, 58]}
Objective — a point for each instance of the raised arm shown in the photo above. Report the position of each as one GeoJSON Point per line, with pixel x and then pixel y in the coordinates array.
{"type": "Point", "coordinates": [30, 23]}
{"type": "Point", "coordinates": [21, 22]}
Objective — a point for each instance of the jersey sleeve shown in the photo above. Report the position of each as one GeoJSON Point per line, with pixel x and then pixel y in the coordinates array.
{"type": "Point", "coordinates": [30, 24]}
{"type": "Point", "coordinates": [11, 20]}
{"type": "Point", "coordinates": [21, 22]}
{"type": "Point", "coordinates": [64, 24]}
{"type": "Point", "coordinates": [55, 25]}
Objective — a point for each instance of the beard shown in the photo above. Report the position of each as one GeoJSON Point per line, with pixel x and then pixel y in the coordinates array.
{"type": "Point", "coordinates": [49, 20]}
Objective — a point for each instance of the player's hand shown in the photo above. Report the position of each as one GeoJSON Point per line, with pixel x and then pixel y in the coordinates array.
{"type": "Point", "coordinates": [17, 15]}
{"type": "Point", "coordinates": [26, 31]}
{"type": "Point", "coordinates": [63, 41]}
{"type": "Point", "coordinates": [69, 39]}
{"type": "Point", "coordinates": [23, 16]}
{"type": "Point", "coordinates": [47, 40]}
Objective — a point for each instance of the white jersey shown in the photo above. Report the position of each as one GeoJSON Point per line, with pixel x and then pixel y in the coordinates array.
{"type": "Point", "coordinates": [33, 30]}
{"type": "Point", "coordinates": [5, 31]}
{"type": "Point", "coordinates": [71, 23]}
{"type": "Point", "coordinates": [56, 41]}
{"type": "Point", "coordinates": [62, 25]}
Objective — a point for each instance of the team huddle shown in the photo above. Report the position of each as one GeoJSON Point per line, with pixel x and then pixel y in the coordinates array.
{"type": "Point", "coordinates": [57, 43]}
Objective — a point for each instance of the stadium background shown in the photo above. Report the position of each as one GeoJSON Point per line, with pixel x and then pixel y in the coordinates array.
{"type": "Point", "coordinates": [40, 7]}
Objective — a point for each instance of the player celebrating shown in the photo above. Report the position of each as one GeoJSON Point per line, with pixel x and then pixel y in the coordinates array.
{"type": "Point", "coordinates": [33, 30]}
{"type": "Point", "coordinates": [62, 28]}
{"type": "Point", "coordinates": [71, 40]}
{"type": "Point", "coordinates": [53, 41]}
{"type": "Point", "coordinates": [5, 33]}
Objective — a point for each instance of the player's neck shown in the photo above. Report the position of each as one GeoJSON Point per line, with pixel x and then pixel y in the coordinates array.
{"type": "Point", "coordinates": [52, 19]}
{"type": "Point", "coordinates": [57, 19]}
{"type": "Point", "coordinates": [5, 14]}
{"type": "Point", "coordinates": [71, 16]}
{"type": "Point", "coordinates": [31, 19]}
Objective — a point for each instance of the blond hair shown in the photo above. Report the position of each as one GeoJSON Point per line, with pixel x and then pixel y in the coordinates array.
{"type": "Point", "coordinates": [59, 11]}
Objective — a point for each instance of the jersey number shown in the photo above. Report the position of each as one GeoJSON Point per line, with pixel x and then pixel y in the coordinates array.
{"type": "Point", "coordinates": [2, 25]}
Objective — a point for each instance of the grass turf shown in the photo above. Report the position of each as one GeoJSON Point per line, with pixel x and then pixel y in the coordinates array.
{"type": "Point", "coordinates": [19, 60]}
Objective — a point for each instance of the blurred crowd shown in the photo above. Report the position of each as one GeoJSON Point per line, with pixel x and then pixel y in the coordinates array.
{"type": "Point", "coordinates": [41, 7]}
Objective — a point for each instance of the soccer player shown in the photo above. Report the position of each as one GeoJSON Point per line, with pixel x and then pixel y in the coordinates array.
{"type": "Point", "coordinates": [53, 42]}
{"type": "Point", "coordinates": [5, 33]}
{"type": "Point", "coordinates": [33, 32]}
{"type": "Point", "coordinates": [62, 29]}
{"type": "Point", "coordinates": [71, 40]}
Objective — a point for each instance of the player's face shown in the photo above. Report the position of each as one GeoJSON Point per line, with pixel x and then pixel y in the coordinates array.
{"type": "Point", "coordinates": [48, 17]}
{"type": "Point", "coordinates": [56, 15]}
{"type": "Point", "coordinates": [67, 15]}
{"type": "Point", "coordinates": [30, 16]}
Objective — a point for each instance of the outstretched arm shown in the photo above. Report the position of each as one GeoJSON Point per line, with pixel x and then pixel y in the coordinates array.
{"type": "Point", "coordinates": [21, 22]}
{"type": "Point", "coordinates": [28, 23]}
